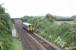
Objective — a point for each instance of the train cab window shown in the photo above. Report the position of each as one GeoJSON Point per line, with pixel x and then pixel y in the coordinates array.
{"type": "Point", "coordinates": [30, 26]}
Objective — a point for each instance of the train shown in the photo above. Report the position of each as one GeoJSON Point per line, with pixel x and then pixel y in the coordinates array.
{"type": "Point", "coordinates": [28, 27]}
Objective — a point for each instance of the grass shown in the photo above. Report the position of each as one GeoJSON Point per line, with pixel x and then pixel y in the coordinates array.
{"type": "Point", "coordinates": [16, 45]}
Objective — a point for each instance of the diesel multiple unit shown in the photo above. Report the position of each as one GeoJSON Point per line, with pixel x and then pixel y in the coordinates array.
{"type": "Point", "coordinates": [28, 27]}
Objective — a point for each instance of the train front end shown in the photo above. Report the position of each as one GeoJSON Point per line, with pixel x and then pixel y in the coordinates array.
{"type": "Point", "coordinates": [28, 27]}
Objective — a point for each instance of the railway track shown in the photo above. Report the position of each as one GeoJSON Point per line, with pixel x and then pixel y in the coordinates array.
{"type": "Point", "coordinates": [32, 41]}
{"type": "Point", "coordinates": [28, 42]}
{"type": "Point", "coordinates": [34, 44]}
{"type": "Point", "coordinates": [45, 43]}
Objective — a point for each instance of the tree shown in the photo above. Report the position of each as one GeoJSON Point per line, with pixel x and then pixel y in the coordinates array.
{"type": "Point", "coordinates": [5, 30]}
{"type": "Point", "coordinates": [73, 17]}
{"type": "Point", "coordinates": [50, 17]}
{"type": "Point", "coordinates": [2, 10]}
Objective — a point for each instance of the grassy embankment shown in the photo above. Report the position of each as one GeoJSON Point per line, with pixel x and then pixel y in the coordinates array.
{"type": "Point", "coordinates": [16, 44]}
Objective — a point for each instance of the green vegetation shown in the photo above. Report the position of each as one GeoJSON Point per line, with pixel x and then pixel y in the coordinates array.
{"type": "Point", "coordinates": [73, 17]}
{"type": "Point", "coordinates": [16, 45]}
{"type": "Point", "coordinates": [60, 18]}
{"type": "Point", "coordinates": [63, 35]}
{"type": "Point", "coordinates": [5, 30]}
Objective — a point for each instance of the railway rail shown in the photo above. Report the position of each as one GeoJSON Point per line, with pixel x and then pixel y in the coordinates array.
{"type": "Point", "coordinates": [45, 43]}
{"type": "Point", "coordinates": [32, 41]}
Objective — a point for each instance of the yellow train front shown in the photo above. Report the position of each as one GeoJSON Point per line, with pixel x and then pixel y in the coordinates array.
{"type": "Point", "coordinates": [28, 27]}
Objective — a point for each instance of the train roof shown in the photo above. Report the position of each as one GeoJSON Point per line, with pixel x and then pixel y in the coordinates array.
{"type": "Point", "coordinates": [25, 23]}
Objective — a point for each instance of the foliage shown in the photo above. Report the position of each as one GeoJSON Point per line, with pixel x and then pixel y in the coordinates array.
{"type": "Point", "coordinates": [73, 17]}
{"type": "Point", "coordinates": [50, 17]}
{"type": "Point", "coordinates": [5, 30]}
{"type": "Point", "coordinates": [2, 10]}
{"type": "Point", "coordinates": [61, 18]}
{"type": "Point", "coordinates": [16, 44]}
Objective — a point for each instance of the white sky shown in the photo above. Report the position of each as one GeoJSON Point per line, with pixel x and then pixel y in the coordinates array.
{"type": "Point", "coordinates": [19, 8]}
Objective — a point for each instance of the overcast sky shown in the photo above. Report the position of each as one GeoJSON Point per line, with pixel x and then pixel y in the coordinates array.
{"type": "Point", "coordinates": [19, 8]}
